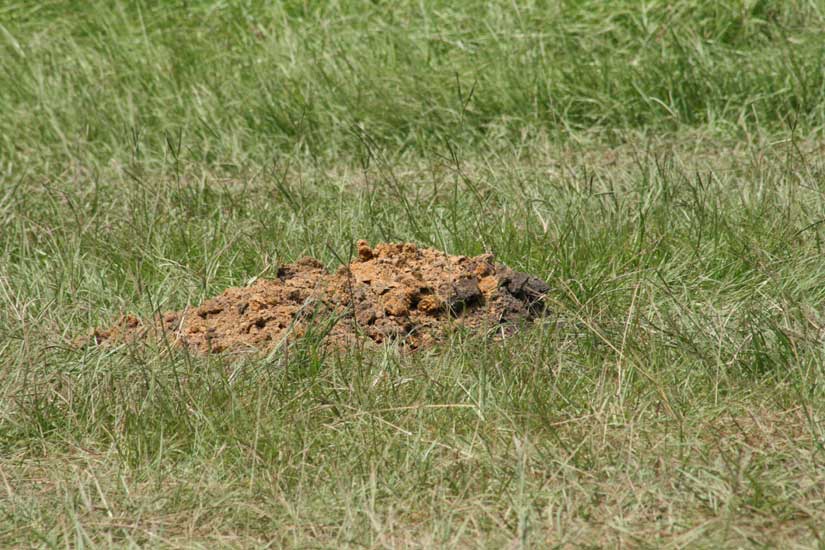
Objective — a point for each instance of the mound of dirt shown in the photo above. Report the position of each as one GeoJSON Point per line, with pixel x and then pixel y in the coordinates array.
{"type": "Point", "coordinates": [393, 292]}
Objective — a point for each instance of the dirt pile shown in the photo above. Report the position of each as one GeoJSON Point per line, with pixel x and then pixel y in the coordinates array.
{"type": "Point", "coordinates": [393, 292]}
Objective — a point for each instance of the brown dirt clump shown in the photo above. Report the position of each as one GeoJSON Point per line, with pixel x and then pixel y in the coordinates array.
{"type": "Point", "coordinates": [393, 292]}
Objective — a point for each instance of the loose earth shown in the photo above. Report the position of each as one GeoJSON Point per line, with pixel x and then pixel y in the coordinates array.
{"type": "Point", "coordinates": [391, 293]}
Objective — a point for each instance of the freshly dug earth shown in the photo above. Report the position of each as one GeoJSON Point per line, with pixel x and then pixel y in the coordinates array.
{"type": "Point", "coordinates": [393, 292]}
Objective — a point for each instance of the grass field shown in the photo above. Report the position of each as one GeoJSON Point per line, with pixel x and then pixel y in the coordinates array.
{"type": "Point", "coordinates": [660, 164]}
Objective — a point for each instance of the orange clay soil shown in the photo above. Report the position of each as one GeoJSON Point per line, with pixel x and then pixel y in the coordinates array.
{"type": "Point", "coordinates": [393, 292]}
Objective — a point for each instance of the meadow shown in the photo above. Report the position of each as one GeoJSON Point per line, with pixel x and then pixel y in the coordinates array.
{"type": "Point", "coordinates": [660, 164]}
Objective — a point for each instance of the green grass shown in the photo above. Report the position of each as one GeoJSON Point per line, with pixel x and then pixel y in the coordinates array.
{"type": "Point", "coordinates": [658, 163]}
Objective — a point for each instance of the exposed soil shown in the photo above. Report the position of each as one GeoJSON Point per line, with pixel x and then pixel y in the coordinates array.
{"type": "Point", "coordinates": [393, 292]}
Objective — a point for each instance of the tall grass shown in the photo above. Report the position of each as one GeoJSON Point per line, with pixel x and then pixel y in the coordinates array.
{"type": "Point", "coordinates": [238, 81]}
{"type": "Point", "coordinates": [658, 163]}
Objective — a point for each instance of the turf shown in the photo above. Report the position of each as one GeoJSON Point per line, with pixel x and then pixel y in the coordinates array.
{"type": "Point", "coordinates": [658, 163]}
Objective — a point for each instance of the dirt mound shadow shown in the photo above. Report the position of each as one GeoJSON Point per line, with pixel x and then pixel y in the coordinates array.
{"type": "Point", "coordinates": [393, 292]}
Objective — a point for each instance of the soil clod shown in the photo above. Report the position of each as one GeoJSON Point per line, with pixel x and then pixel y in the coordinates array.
{"type": "Point", "coordinates": [390, 293]}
